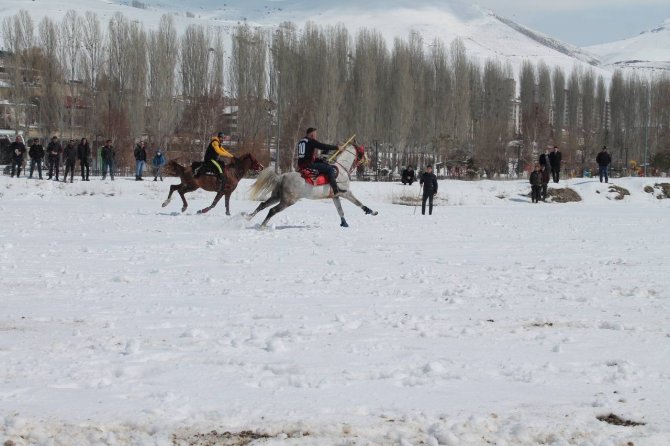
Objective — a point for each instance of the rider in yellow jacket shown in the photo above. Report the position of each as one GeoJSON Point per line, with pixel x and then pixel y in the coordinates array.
{"type": "Point", "coordinates": [212, 154]}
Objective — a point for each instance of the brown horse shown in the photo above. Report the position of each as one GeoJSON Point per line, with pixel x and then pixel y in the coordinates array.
{"type": "Point", "coordinates": [234, 172]}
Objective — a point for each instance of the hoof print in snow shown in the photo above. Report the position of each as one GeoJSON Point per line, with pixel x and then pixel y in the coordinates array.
{"type": "Point", "coordinates": [649, 189]}
{"type": "Point", "coordinates": [541, 324]}
{"type": "Point", "coordinates": [618, 421]}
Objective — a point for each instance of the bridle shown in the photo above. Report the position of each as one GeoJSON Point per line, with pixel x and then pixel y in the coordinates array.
{"type": "Point", "coordinates": [357, 160]}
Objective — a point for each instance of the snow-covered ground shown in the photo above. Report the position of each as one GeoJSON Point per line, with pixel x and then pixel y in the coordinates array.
{"type": "Point", "coordinates": [495, 321]}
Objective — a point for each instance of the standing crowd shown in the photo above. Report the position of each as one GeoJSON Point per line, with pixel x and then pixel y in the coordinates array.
{"type": "Point", "coordinates": [56, 154]}
{"type": "Point", "coordinates": [550, 162]}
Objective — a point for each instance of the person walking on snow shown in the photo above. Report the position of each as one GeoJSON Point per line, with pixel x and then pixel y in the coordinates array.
{"type": "Point", "coordinates": [603, 159]}
{"type": "Point", "coordinates": [428, 181]}
{"type": "Point", "coordinates": [158, 162]}
{"type": "Point", "coordinates": [36, 154]}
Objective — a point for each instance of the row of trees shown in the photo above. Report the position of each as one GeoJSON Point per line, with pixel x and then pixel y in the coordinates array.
{"type": "Point", "coordinates": [77, 77]}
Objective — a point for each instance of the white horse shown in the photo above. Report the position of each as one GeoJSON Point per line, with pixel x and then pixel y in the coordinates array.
{"type": "Point", "coordinates": [288, 188]}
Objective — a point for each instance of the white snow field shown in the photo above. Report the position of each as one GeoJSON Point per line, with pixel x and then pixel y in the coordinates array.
{"type": "Point", "coordinates": [493, 322]}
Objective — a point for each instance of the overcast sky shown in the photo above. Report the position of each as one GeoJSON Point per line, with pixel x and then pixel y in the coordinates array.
{"type": "Point", "coordinates": [584, 22]}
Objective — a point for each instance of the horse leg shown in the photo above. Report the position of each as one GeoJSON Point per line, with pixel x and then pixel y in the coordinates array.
{"type": "Point", "coordinates": [338, 206]}
{"type": "Point", "coordinates": [211, 206]}
{"type": "Point", "coordinates": [182, 191]}
{"type": "Point", "coordinates": [349, 196]}
{"type": "Point", "coordinates": [228, 203]}
{"type": "Point", "coordinates": [275, 210]}
{"type": "Point", "coordinates": [272, 200]}
{"type": "Point", "coordinates": [173, 188]}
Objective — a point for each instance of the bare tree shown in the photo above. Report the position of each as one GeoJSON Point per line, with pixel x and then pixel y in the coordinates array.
{"type": "Point", "coordinates": [558, 81]}
{"type": "Point", "coordinates": [248, 85]}
{"type": "Point", "coordinates": [93, 57]}
{"type": "Point", "coordinates": [70, 50]}
{"type": "Point", "coordinates": [18, 35]}
{"type": "Point", "coordinates": [163, 53]}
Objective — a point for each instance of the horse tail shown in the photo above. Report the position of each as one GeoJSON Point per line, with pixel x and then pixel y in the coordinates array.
{"type": "Point", "coordinates": [265, 184]}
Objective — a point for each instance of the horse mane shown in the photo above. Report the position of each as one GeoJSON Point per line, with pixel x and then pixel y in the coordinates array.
{"type": "Point", "coordinates": [174, 168]}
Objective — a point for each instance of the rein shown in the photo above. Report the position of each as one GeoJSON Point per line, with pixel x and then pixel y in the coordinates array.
{"type": "Point", "coordinates": [354, 165]}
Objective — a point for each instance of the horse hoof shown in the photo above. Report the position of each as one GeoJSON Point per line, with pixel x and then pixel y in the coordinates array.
{"type": "Point", "coordinates": [183, 210]}
{"type": "Point", "coordinates": [375, 213]}
{"type": "Point", "coordinates": [228, 213]}
{"type": "Point", "coordinates": [344, 224]}
{"type": "Point", "coordinates": [164, 204]}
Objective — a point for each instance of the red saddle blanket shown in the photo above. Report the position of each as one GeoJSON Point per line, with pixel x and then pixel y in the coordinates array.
{"type": "Point", "coordinates": [314, 178]}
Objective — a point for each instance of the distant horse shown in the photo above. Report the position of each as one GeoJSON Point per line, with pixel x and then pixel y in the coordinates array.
{"type": "Point", "coordinates": [288, 188]}
{"type": "Point", "coordinates": [234, 172]}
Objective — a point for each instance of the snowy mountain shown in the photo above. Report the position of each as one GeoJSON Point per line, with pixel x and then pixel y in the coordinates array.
{"type": "Point", "coordinates": [484, 33]}
{"type": "Point", "coordinates": [649, 51]}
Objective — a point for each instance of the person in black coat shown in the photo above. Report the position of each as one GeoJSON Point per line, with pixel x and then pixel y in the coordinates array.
{"type": "Point", "coordinates": [545, 181]}
{"type": "Point", "coordinates": [428, 181]}
{"type": "Point", "coordinates": [408, 175]}
{"type": "Point", "coordinates": [70, 156]}
{"type": "Point", "coordinates": [54, 150]}
{"type": "Point", "coordinates": [36, 154]}
{"type": "Point", "coordinates": [108, 155]}
{"type": "Point", "coordinates": [140, 154]}
{"type": "Point", "coordinates": [544, 159]}
{"type": "Point", "coordinates": [603, 159]}
{"type": "Point", "coordinates": [308, 148]}
{"type": "Point", "coordinates": [18, 150]}
{"type": "Point", "coordinates": [555, 159]}
{"type": "Point", "coordinates": [536, 183]}
{"type": "Point", "coordinates": [84, 156]}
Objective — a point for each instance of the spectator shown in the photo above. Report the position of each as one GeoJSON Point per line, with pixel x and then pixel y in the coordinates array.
{"type": "Point", "coordinates": [408, 175]}
{"type": "Point", "coordinates": [54, 150]}
{"type": "Point", "coordinates": [108, 155]}
{"type": "Point", "coordinates": [158, 162]}
{"type": "Point", "coordinates": [84, 157]}
{"type": "Point", "coordinates": [536, 183]}
{"type": "Point", "coordinates": [545, 181]}
{"type": "Point", "coordinates": [603, 159]}
{"type": "Point", "coordinates": [544, 159]}
{"type": "Point", "coordinates": [429, 182]}
{"type": "Point", "coordinates": [140, 160]}
{"type": "Point", "coordinates": [18, 150]}
{"type": "Point", "coordinates": [555, 159]}
{"type": "Point", "coordinates": [36, 154]}
{"type": "Point", "coordinates": [70, 157]}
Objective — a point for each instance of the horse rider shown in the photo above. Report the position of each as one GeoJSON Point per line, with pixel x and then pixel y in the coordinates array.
{"type": "Point", "coordinates": [212, 162]}
{"type": "Point", "coordinates": [307, 157]}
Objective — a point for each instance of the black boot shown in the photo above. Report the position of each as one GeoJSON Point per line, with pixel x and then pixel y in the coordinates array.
{"type": "Point", "coordinates": [222, 180]}
{"type": "Point", "coordinates": [333, 185]}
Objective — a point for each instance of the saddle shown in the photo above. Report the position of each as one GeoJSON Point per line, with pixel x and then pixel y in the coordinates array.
{"type": "Point", "coordinates": [200, 168]}
{"type": "Point", "coordinates": [315, 178]}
